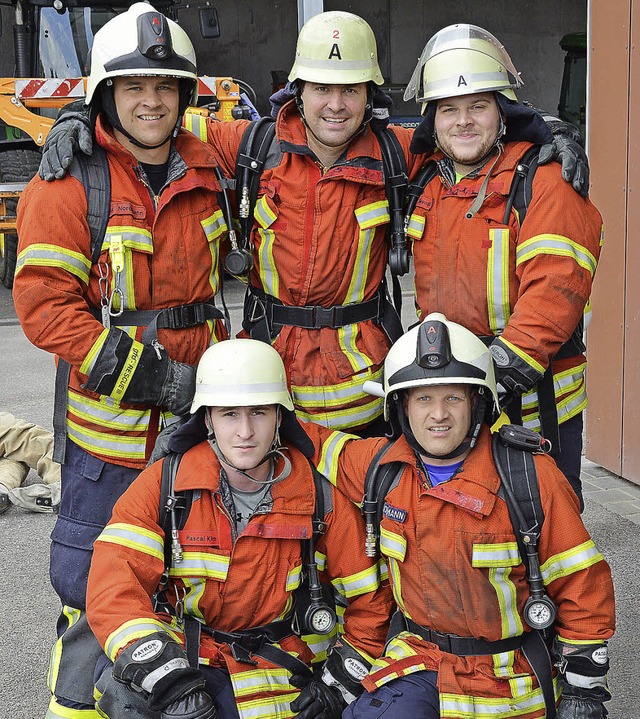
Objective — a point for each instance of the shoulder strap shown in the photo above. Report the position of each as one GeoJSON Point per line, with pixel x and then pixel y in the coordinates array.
{"type": "Point", "coordinates": [379, 481]}
{"type": "Point", "coordinates": [324, 501]}
{"type": "Point", "coordinates": [252, 153]}
{"type": "Point", "coordinates": [513, 449]}
{"type": "Point", "coordinates": [522, 185]}
{"type": "Point", "coordinates": [93, 171]}
{"type": "Point", "coordinates": [427, 173]}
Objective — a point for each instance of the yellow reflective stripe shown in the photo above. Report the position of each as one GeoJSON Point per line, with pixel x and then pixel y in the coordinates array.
{"type": "Point", "coordinates": [276, 706]}
{"type": "Point", "coordinates": [132, 630]}
{"type": "Point", "coordinates": [196, 124]}
{"type": "Point", "coordinates": [568, 381]}
{"type": "Point", "coordinates": [202, 564]}
{"type": "Point", "coordinates": [498, 280]}
{"type": "Point", "coordinates": [44, 255]}
{"type": "Point", "coordinates": [134, 537]}
{"type": "Point", "coordinates": [259, 681]}
{"type": "Point", "coordinates": [57, 711]}
{"type": "Point", "coordinates": [263, 214]}
{"type": "Point", "coordinates": [90, 359]}
{"type": "Point", "coordinates": [504, 554]}
{"type": "Point", "coordinates": [107, 444]}
{"type": "Point", "coordinates": [294, 577]}
{"type": "Point", "coordinates": [357, 286]}
{"type": "Point", "coordinates": [195, 587]}
{"type": "Point", "coordinates": [133, 238]}
{"type": "Point", "coordinates": [345, 418]}
{"type": "Point", "coordinates": [333, 395]}
{"type": "Point", "coordinates": [347, 336]}
{"type": "Point", "coordinates": [321, 560]}
{"type": "Point", "coordinates": [507, 595]}
{"type": "Point", "coordinates": [453, 706]}
{"type": "Point", "coordinates": [214, 226]}
{"type": "Point", "coordinates": [126, 375]}
{"type": "Point", "coordinates": [392, 544]}
{"type": "Point", "coordinates": [503, 668]}
{"type": "Point", "coordinates": [556, 245]}
{"type": "Point", "coordinates": [523, 356]}
{"type": "Point", "coordinates": [373, 214]}
{"type": "Point", "coordinates": [397, 649]}
{"type": "Point", "coordinates": [330, 456]}
{"type": "Point", "coordinates": [107, 413]}
{"type": "Point", "coordinates": [569, 562]}
{"type": "Point", "coordinates": [368, 580]}
{"type": "Point", "coordinates": [268, 272]}
{"type": "Point", "coordinates": [566, 409]}
{"type": "Point", "coordinates": [72, 616]}
{"type": "Point", "coordinates": [415, 227]}
{"type": "Point", "coordinates": [396, 584]}
{"type": "Point", "coordinates": [581, 642]}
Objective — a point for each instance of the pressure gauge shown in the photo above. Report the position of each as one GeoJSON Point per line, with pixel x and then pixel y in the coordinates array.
{"type": "Point", "coordinates": [539, 613]}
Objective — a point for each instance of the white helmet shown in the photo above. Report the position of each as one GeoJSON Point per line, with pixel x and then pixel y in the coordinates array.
{"type": "Point", "coordinates": [142, 42]}
{"type": "Point", "coordinates": [241, 373]}
{"type": "Point", "coordinates": [435, 352]}
{"type": "Point", "coordinates": [462, 60]}
{"type": "Point", "coordinates": [337, 48]}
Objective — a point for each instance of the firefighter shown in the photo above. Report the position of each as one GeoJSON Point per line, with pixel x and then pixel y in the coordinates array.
{"type": "Point", "coordinates": [319, 230]}
{"type": "Point", "coordinates": [126, 324]}
{"type": "Point", "coordinates": [520, 283]}
{"type": "Point", "coordinates": [25, 446]}
{"type": "Point", "coordinates": [466, 640]}
{"type": "Point", "coordinates": [242, 564]}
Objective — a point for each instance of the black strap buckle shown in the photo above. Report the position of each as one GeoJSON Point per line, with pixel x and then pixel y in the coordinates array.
{"type": "Point", "coordinates": [185, 316]}
{"type": "Point", "coordinates": [323, 317]}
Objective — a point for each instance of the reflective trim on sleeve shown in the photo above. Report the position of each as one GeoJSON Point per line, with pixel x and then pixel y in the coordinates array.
{"type": "Point", "coordinates": [90, 359]}
{"type": "Point", "coordinates": [133, 630]}
{"type": "Point", "coordinates": [330, 456]}
{"type": "Point", "coordinates": [523, 356]}
{"type": "Point", "coordinates": [134, 537]}
{"type": "Point", "coordinates": [368, 580]}
{"type": "Point", "coordinates": [569, 562]}
{"type": "Point", "coordinates": [557, 245]}
{"type": "Point", "coordinates": [43, 255]}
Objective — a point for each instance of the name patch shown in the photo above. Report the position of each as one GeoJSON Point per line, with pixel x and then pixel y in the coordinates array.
{"type": "Point", "coordinates": [197, 537]}
{"type": "Point", "coordinates": [393, 513]}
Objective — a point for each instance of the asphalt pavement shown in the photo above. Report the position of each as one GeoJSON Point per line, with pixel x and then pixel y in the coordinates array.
{"type": "Point", "coordinates": [30, 607]}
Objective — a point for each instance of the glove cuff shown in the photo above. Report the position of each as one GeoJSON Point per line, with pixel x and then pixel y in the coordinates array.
{"type": "Point", "coordinates": [344, 669]}
{"type": "Point", "coordinates": [515, 370]}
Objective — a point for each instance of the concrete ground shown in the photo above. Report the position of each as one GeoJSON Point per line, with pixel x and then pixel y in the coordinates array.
{"type": "Point", "coordinates": [30, 607]}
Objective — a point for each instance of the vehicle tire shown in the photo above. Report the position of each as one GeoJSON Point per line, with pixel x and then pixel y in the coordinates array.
{"type": "Point", "coordinates": [15, 166]}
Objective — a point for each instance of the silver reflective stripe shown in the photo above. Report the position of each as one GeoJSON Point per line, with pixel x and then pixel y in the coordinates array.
{"type": "Point", "coordinates": [42, 255]}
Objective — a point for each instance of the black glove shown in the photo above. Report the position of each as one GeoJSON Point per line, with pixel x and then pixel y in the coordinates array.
{"type": "Point", "coordinates": [197, 705]}
{"type": "Point", "coordinates": [580, 708]}
{"type": "Point", "coordinates": [177, 390]}
{"type": "Point", "coordinates": [150, 376]}
{"type": "Point", "coordinates": [316, 700]}
{"type": "Point", "coordinates": [567, 148]}
{"type": "Point", "coordinates": [161, 447]}
{"type": "Point", "coordinates": [514, 376]}
{"type": "Point", "coordinates": [158, 667]}
{"type": "Point", "coordinates": [71, 133]}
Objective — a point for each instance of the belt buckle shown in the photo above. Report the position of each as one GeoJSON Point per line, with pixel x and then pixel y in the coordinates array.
{"type": "Point", "coordinates": [324, 317]}
{"type": "Point", "coordinates": [188, 316]}
{"type": "Point", "coordinates": [242, 655]}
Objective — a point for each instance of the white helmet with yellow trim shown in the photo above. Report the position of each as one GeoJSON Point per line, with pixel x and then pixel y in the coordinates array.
{"type": "Point", "coordinates": [337, 48]}
{"type": "Point", "coordinates": [241, 373]}
{"type": "Point", "coordinates": [462, 60]}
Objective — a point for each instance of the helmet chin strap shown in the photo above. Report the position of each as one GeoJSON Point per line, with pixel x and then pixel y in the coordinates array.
{"type": "Point", "coordinates": [272, 455]}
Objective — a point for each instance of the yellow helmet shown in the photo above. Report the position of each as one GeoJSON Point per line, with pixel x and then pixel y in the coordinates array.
{"type": "Point", "coordinates": [462, 60]}
{"type": "Point", "coordinates": [241, 373]}
{"type": "Point", "coordinates": [141, 42]}
{"type": "Point", "coordinates": [337, 48]}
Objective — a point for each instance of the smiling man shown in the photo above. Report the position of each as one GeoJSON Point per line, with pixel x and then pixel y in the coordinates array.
{"type": "Point", "coordinates": [505, 248]}
{"type": "Point", "coordinates": [122, 317]}
{"type": "Point", "coordinates": [467, 640]}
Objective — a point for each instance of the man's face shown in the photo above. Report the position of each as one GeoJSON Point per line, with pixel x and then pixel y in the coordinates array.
{"type": "Point", "coordinates": [147, 108]}
{"type": "Point", "coordinates": [333, 113]}
{"type": "Point", "coordinates": [244, 434]}
{"type": "Point", "coordinates": [467, 127]}
{"type": "Point", "coordinates": [439, 417]}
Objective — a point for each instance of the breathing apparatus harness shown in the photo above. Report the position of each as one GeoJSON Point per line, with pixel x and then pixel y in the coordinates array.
{"type": "Point", "coordinates": [314, 610]}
